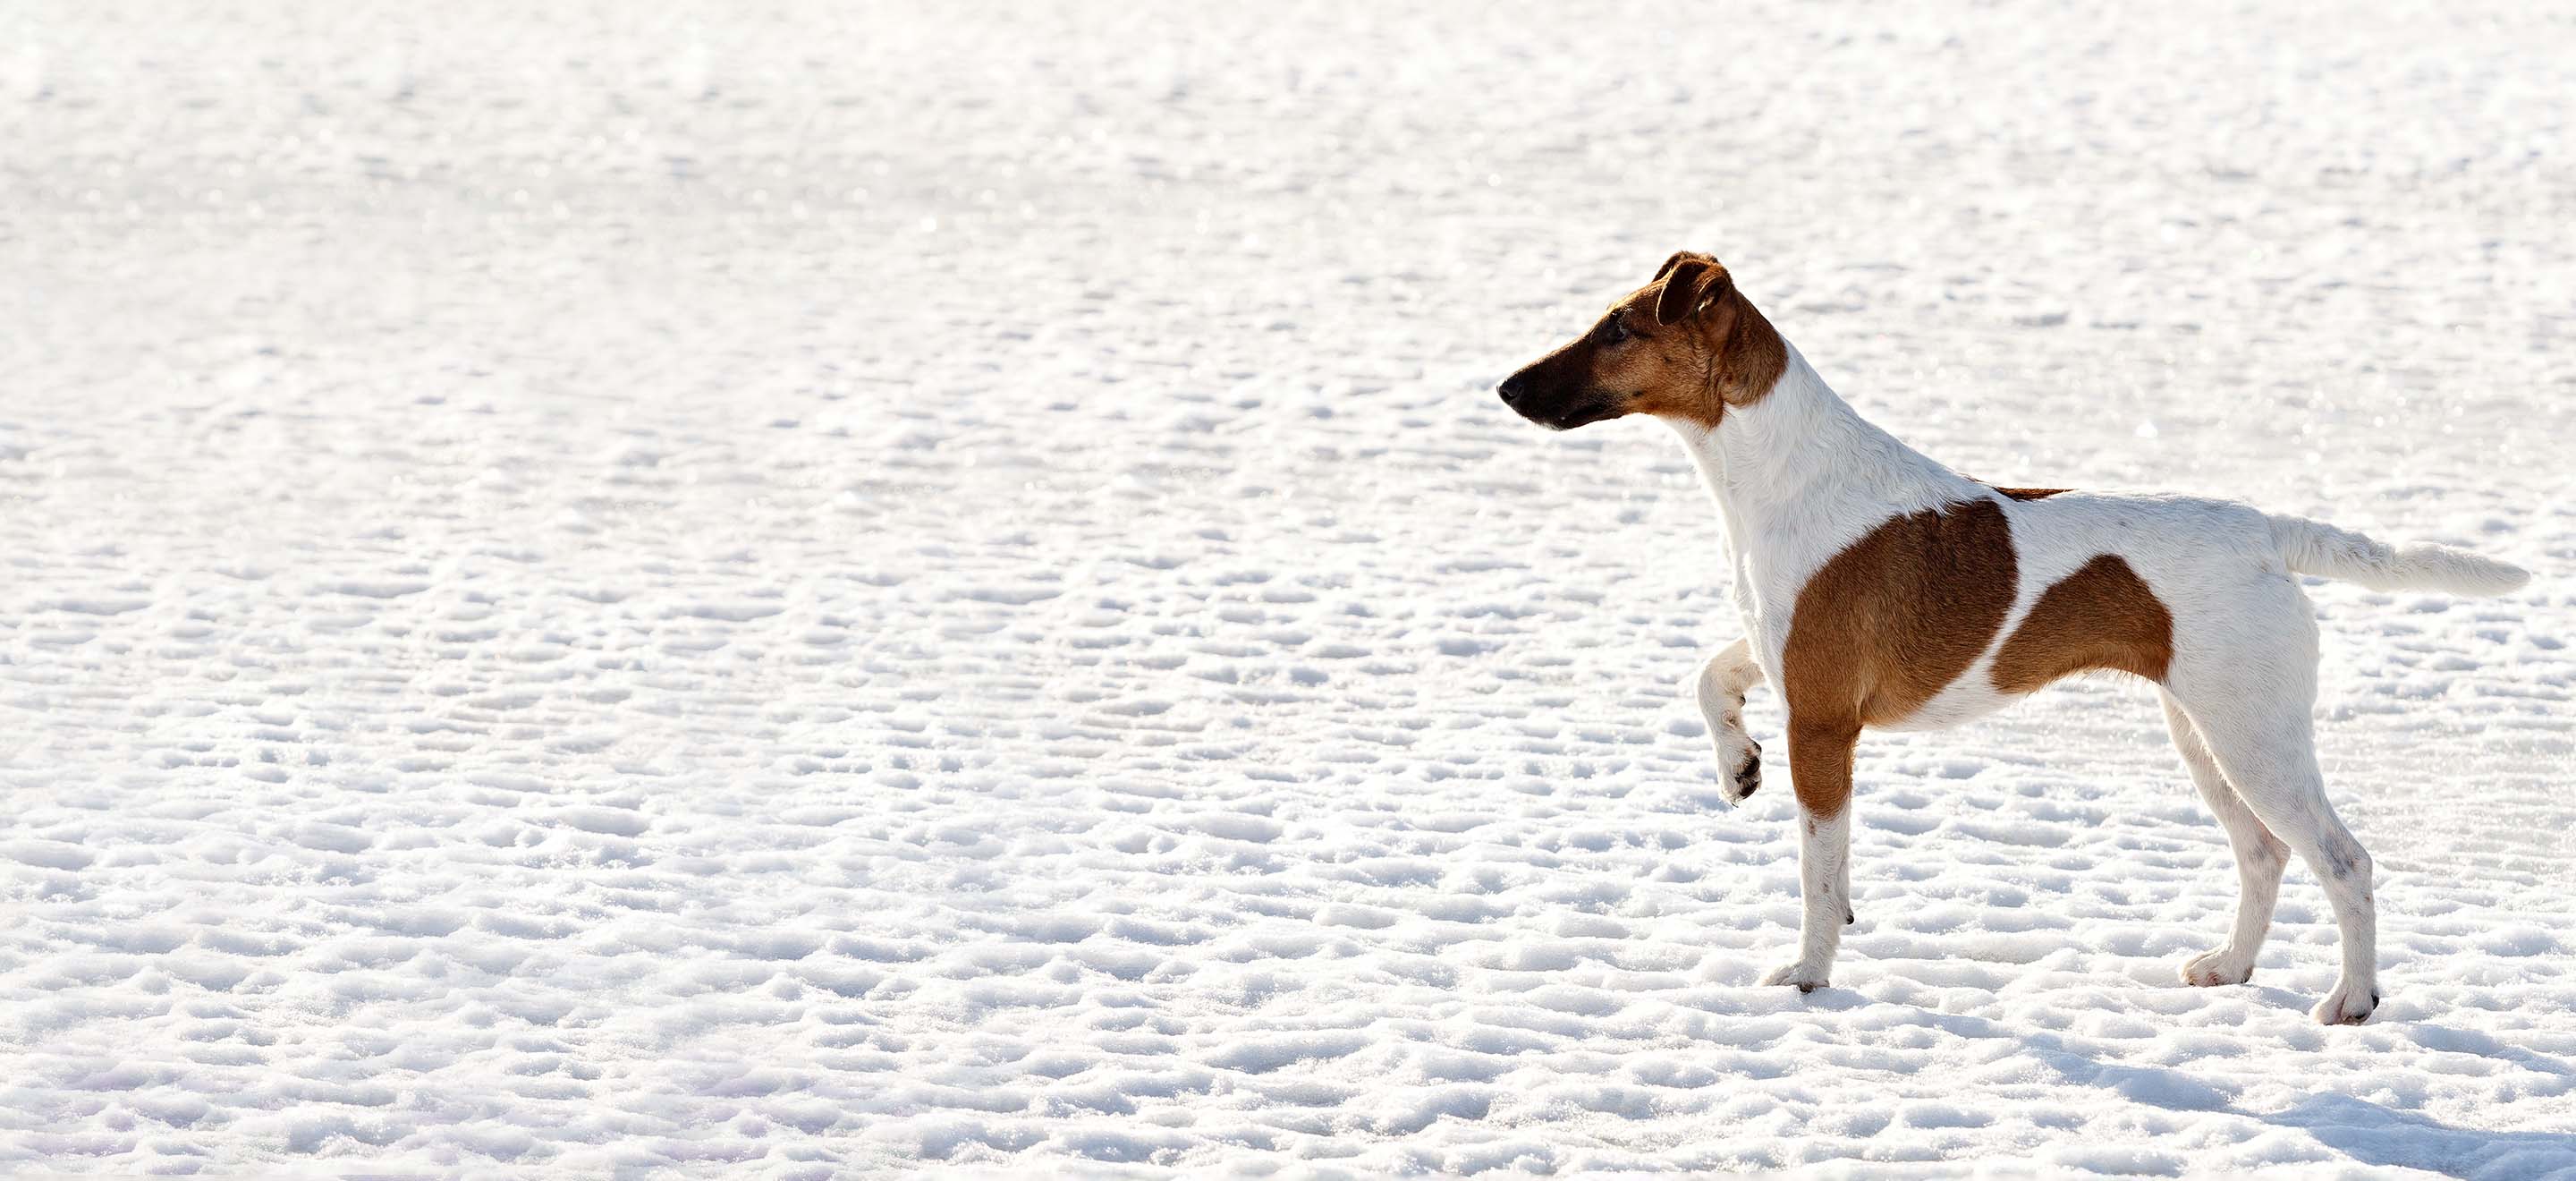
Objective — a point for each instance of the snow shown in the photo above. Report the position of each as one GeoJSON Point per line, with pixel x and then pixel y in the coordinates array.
{"type": "Point", "coordinates": [808, 590]}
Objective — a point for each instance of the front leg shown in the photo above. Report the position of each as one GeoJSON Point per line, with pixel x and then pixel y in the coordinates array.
{"type": "Point", "coordinates": [1820, 769]}
{"type": "Point", "coordinates": [1721, 685]}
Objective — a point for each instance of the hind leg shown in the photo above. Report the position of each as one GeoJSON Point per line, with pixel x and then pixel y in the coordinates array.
{"type": "Point", "coordinates": [2260, 858]}
{"type": "Point", "coordinates": [2252, 709]}
{"type": "Point", "coordinates": [1721, 685]}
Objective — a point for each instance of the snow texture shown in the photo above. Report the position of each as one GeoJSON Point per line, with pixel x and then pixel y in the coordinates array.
{"type": "Point", "coordinates": [812, 590]}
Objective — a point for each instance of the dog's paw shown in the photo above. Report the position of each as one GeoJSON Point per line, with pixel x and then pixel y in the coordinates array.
{"type": "Point", "coordinates": [1748, 774]}
{"type": "Point", "coordinates": [2349, 1004]}
{"type": "Point", "coordinates": [2211, 968]}
{"type": "Point", "coordinates": [1804, 978]}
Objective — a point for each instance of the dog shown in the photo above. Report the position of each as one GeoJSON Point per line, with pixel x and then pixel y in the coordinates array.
{"type": "Point", "coordinates": [1880, 589]}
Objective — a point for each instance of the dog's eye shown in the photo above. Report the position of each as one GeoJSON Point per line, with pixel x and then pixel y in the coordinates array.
{"type": "Point", "coordinates": [1614, 330]}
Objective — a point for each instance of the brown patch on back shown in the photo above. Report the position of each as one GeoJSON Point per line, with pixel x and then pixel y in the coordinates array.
{"type": "Point", "coordinates": [2024, 493]}
{"type": "Point", "coordinates": [1890, 621]}
{"type": "Point", "coordinates": [2103, 616]}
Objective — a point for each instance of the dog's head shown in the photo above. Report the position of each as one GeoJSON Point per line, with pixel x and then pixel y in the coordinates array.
{"type": "Point", "coordinates": [1683, 346]}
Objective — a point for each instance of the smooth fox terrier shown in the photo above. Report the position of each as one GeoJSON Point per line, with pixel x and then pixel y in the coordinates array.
{"type": "Point", "coordinates": [1881, 589]}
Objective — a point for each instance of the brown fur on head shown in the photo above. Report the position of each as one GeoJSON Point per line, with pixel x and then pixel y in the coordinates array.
{"type": "Point", "coordinates": [1686, 345]}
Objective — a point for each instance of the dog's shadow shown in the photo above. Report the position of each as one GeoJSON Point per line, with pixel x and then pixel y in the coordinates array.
{"type": "Point", "coordinates": [2368, 1133]}
{"type": "Point", "coordinates": [2376, 1135]}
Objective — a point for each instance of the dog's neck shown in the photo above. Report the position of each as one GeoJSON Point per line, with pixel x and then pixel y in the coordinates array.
{"type": "Point", "coordinates": [1800, 461]}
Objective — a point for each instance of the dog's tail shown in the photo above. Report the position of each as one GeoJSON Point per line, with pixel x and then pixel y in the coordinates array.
{"type": "Point", "coordinates": [2314, 547]}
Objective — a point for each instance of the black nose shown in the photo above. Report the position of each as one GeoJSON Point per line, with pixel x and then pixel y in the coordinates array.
{"type": "Point", "coordinates": [1512, 389]}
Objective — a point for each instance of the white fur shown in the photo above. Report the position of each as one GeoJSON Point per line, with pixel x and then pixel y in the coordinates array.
{"type": "Point", "coordinates": [1720, 687]}
{"type": "Point", "coordinates": [1799, 476]}
{"type": "Point", "coordinates": [2313, 547]}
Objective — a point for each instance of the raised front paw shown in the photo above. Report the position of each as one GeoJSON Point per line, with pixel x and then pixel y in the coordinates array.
{"type": "Point", "coordinates": [1747, 775]}
{"type": "Point", "coordinates": [2349, 1004]}
{"type": "Point", "coordinates": [1739, 758]}
{"type": "Point", "coordinates": [1805, 978]}
{"type": "Point", "coordinates": [2222, 966]}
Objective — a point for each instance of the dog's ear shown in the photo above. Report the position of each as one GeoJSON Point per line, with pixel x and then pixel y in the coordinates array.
{"type": "Point", "coordinates": [1690, 282]}
{"type": "Point", "coordinates": [1679, 257]}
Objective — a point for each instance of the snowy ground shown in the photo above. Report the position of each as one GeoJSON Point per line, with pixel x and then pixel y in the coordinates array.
{"type": "Point", "coordinates": [800, 592]}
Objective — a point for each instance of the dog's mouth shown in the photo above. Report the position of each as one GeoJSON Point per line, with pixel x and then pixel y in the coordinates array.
{"type": "Point", "coordinates": [1556, 404]}
{"type": "Point", "coordinates": [1582, 413]}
